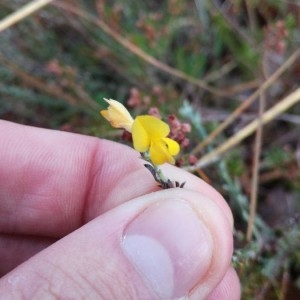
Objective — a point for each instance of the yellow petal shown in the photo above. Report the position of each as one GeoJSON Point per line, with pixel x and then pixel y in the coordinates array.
{"type": "Point", "coordinates": [159, 153]}
{"type": "Point", "coordinates": [154, 127]}
{"type": "Point", "coordinates": [117, 115]}
{"type": "Point", "coordinates": [140, 137]}
{"type": "Point", "coordinates": [173, 146]}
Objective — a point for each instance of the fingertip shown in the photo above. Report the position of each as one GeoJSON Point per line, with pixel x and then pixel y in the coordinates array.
{"type": "Point", "coordinates": [196, 184]}
{"type": "Point", "coordinates": [228, 289]}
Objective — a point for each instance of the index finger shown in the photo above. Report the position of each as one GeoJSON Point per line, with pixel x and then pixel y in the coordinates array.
{"type": "Point", "coordinates": [53, 182]}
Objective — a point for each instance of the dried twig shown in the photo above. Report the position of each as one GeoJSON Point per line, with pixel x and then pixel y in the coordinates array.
{"type": "Point", "coordinates": [247, 102]}
{"type": "Point", "coordinates": [220, 72]}
{"type": "Point", "coordinates": [284, 284]}
{"type": "Point", "coordinates": [269, 115]}
{"type": "Point", "coordinates": [56, 91]}
{"type": "Point", "coordinates": [244, 86]}
{"type": "Point", "coordinates": [235, 27]}
{"type": "Point", "coordinates": [138, 51]}
{"type": "Point", "coordinates": [251, 15]}
{"type": "Point", "coordinates": [255, 169]}
{"type": "Point", "coordinates": [22, 13]}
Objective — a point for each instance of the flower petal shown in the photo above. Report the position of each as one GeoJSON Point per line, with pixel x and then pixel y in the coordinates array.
{"type": "Point", "coordinates": [173, 146]}
{"type": "Point", "coordinates": [117, 115]}
{"type": "Point", "coordinates": [159, 153]}
{"type": "Point", "coordinates": [140, 137]}
{"type": "Point", "coordinates": [153, 126]}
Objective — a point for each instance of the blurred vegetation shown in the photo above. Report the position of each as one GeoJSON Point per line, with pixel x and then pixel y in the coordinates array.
{"type": "Point", "coordinates": [198, 60]}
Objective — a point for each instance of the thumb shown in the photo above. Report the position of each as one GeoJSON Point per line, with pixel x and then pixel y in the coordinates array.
{"type": "Point", "coordinates": [160, 246]}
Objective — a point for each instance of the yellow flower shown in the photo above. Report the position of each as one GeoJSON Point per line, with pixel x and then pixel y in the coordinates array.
{"type": "Point", "coordinates": [117, 115]}
{"type": "Point", "coordinates": [150, 133]}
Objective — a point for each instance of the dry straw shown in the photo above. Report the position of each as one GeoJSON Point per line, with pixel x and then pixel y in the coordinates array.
{"type": "Point", "coordinates": [22, 13]}
{"type": "Point", "coordinates": [269, 115]}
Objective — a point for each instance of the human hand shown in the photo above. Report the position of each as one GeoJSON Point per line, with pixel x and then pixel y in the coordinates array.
{"type": "Point", "coordinates": [81, 218]}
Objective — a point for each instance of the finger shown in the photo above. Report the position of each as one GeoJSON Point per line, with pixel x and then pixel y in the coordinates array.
{"type": "Point", "coordinates": [15, 249]}
{"type": "Point", "coordinates": [196, 184]}
{"type": "Point", "coordinates": [48, 179]}
{"type": "Point", "coordinates": [51, 182]}
{"type": "Point", "coordinates": [228, 289]}
{"type": "Point", "coordinates": [164, 245]}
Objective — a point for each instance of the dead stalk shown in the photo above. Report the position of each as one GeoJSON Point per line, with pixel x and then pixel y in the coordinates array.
{"type": "Point", "coordinates": [236, 113]}
{"type": "Point", "coordinates": [22, 13]}
{"type": "Point", "coordinates": [255, 169]}
{"type": "Point", "coordinates": [138, 51]}
{"type": "Point", "coordinates": [269, 115]}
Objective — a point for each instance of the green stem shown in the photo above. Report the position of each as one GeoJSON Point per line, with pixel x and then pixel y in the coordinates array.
{"type": "Point", "coordinates": [158, 175]}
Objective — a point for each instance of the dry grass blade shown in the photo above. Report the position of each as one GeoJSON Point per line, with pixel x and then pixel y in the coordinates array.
{"type": "Point", "coordinates": [251, 15]}
{"type": "Point", "coordinates": [233, 24]}
{"type": "Point", "coordinates": [284, 285]}
{"type": "Point", "coordinates": [269, 115]}
{"type": "Point", "coordinates": [247, 102]}
{"type": "Point", "coordinates": [22, 13]}
{"type": "Point", "coordinates": [56, 92]}
{"type": "Point", "coordinates": [255, 169]}
{"type": "Point", "coordinates": [138, 51]}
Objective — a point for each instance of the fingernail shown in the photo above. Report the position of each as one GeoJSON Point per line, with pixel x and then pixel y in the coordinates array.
{"type": "Point", "coordinates": [170, 247]}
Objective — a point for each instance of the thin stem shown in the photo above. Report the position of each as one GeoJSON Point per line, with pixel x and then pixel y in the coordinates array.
{"type": "Point", "coordinates": [237, 112]}
{"type": "Point", "coordinates": [269, 115]}
{"type": "Point", "coordinates": [233, 24]}
{"type": "Point", "coordinates": [57, 92]}
{"type": "Point", "coordinates": [164, 182]}
{"type": "Point", "coordinates": [22, 13]}
{"type": "Point", "coordinates": [138, 51]}
{"type": "Point", "coordinates": [251, 15]}
{"type": "Point", "coordinates": [255, 170]}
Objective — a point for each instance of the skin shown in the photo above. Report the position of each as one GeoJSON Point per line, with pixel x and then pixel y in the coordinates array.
{"type": "Point", "coordinates": [66, 201]}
